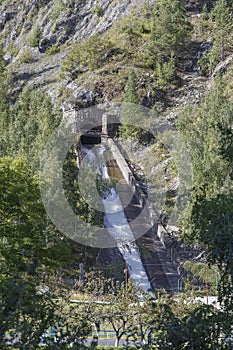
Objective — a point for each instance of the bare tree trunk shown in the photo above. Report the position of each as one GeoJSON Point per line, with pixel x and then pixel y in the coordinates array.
{"type": "Point", "coordinates": [117, 340]}
{"type": "Point", "coordinates": [118, 337]}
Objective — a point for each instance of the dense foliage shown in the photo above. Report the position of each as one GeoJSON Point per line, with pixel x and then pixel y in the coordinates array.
{"type": "Point", "coordinates": [208, 132]}
{"type": "Point", "coordinates": [219, 20]}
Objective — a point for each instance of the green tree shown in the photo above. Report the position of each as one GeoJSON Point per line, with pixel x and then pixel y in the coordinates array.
{"type": "Point", "coordinates": [175, 323]}
{"type": "Point", "coordinates": [131, 109]}
{"type": "Point", "coordinates": [23, 249]}
{"type": "Point", "coordinates": [80, 205]}
{"type": "Point", "coordinates": [33, 118]}
{"type": "Point", "coordinates": [166, 72]}
{"type": "Point", "coordinates": [24, 224]}
{"type": "Point", "coordinates": [31, 251]}
{"type": "Point", "coordinates": [169, 25]}
{"type": "Point", "coordinates": [208, 133]}
{"type": "Point", "coordinates": [169, 34]}
{"type": "Point", "coordinates": [221, 23]}
{"type": "Point", "coordinates": [34, 38]}
{"type": "Point", "coordinates": [122, 310]}
{"type": "Point", "coordinates": [131, 93]}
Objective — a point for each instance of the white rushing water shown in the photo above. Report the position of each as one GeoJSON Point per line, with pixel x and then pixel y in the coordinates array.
{"type": "Point", "coordinates": [117, 225]}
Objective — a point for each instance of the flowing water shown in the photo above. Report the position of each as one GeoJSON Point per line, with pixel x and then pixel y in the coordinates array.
{"type": "Point", "coordinates": [116, 222]}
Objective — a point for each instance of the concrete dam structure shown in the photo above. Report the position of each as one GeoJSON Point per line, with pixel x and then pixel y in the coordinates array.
{"type": "Point", "coordinates": [156, 262]}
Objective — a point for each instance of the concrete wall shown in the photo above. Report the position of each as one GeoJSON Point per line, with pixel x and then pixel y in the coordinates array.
{"type": "Point", "coordinates": [83, 118]}
{"type": "Point", "coordinates": [126, 171]}
{"type": "Point", "coordinates": [77, 118]}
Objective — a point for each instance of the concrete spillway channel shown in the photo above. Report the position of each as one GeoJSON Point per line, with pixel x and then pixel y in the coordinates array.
{"type": "Point", "coordinates": [149, 266]}
{"type": "Point", "coordinates": [116, 222]}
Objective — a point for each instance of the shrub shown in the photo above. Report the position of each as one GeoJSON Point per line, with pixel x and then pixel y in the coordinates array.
{"type": "Point", "coordinates": [56, 10]}
{"type": "Point", "coordinates": [52, 50]}
{"type": "Point", "coordinates": [97, 11]}
{"type": "Point", "coordinates": [165, 72]}
{"type": "Point", "coordinates": [26, 56]}
{"type": "Point", "coordinates": [34, 38]}
{"type": "Point", "coordinates": [12, 49]}
{"type": "Point", "coordinates": [88, 55]}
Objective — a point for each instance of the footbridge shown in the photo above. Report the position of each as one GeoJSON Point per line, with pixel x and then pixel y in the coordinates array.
{"type": "Point", "coordinates": [157, 262]}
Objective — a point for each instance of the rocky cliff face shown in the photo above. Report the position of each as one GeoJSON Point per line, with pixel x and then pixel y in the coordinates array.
{"type": "Point", "coordinates": [29, 29]}
{"type": "Point", "coordinates": [37, 35]}
{"type": "Point", "coordinates": [59, 21]}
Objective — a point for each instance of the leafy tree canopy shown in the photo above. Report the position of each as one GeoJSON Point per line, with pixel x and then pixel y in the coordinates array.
{"type": "Point", "coordinates": [208, 132]}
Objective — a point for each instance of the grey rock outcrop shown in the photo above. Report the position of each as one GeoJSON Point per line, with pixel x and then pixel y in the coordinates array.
{"type": "Point", "coordinates": [60, 21]}
{"type": "Point", "coordinates": [53, 23]}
